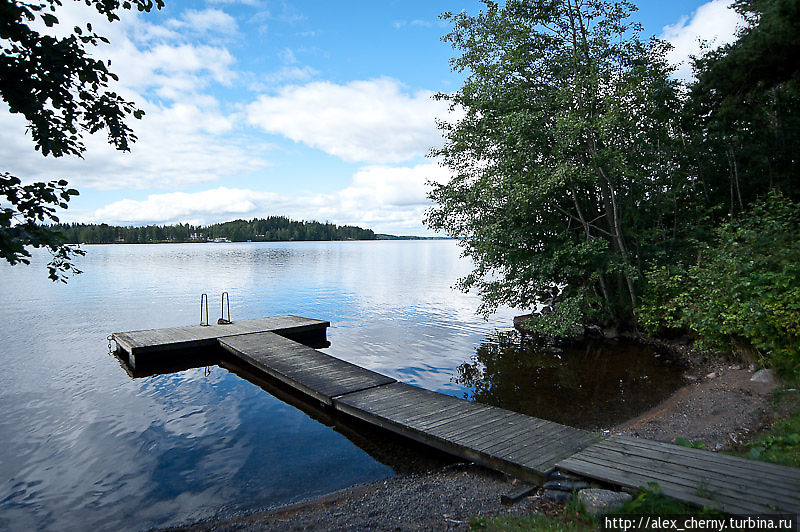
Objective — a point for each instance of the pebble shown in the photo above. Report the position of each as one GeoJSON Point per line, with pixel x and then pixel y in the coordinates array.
{"type": "Point", "coordinates": [712, 375]}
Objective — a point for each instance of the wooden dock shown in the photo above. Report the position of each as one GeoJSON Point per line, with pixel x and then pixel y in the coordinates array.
{"type": "Point", "coordinates": [520, 445]}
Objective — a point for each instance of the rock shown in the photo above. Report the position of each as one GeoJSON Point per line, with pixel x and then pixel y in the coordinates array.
{"type": "Point", "coordinates": [566, 485]}
{"type": "Point", "coordinates": [593, 330]}
{"type": "Point", "coordinates": [691, 378]}
{"type": "Point", "coordinates": [519, 321]}
{"type": "Point", "coordinates": [712, 375]}
{"type": "Point", "coordinates": [598, 501]}
{"type": "Point", "coordinates": [557, 496]}
{"type": "Point", "coordinates": [763, 375]}
{"type": "Point", "coordinates": [610, 332]}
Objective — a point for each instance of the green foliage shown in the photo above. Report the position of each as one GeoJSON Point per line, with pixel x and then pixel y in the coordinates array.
{"type": "Point", "coordinates": [745, 293]}
{"type": "Point", "coordinates": [20, 224]}
{"type": "Point", "coordinates": [692, 444]}
{"type": "Point", "coordinates": [565, 320]}
{"type": "Point", "coordinates": [62, 91]}
{"type": "Point", "coordinates": [271, 229]}
{"type": "Point", "coordinates": [579, 164]}
{"type": "Point", "coordinates": [563, 155]}
{"type": "Point", "coordinates": [781, 443]}
{"type": "Point", "coordinates": [742, 116]}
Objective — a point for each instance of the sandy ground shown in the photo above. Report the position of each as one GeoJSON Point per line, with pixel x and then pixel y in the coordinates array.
{"type": "Point", "coordinates": [719, 406]}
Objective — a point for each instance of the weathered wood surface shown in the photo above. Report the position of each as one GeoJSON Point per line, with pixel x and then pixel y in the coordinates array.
{"type": "Point", "coordinates": [732, 484]}
{"type": "Point", "coordinates": [173, 338]}
{"type": "Point", "coordinates": [515, 443]}
{"type": "Point", "coordinates": [308, 370]}
{"type": "Point", "coordinates": [523, 446]}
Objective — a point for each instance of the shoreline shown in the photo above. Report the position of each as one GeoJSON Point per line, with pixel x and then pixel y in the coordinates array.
{"type": "Point", "coordinates": [719, 406]}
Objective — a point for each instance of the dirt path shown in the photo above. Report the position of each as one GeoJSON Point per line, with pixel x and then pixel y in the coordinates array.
{"type": "Point", "coordinates": [721, 408]}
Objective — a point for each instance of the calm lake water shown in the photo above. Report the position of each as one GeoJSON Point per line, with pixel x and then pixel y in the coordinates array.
{"type": "Point", "coordinates": [86, 446]}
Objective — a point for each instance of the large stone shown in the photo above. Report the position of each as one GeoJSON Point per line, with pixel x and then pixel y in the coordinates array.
{"type": "Point", "coordinates": [597, 501]}
{"type": "Point", "coordinates": [763, 375]}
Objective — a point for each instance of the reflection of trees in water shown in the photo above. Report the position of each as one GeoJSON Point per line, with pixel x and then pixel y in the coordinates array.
{"type": "Point", "coordinates": [591, 385]}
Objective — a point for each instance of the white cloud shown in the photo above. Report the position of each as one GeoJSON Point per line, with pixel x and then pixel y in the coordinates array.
{"type": "Point", "coordinates": [205, 21]}
{"type": "Point", "coordinates": [714, 22]}
{"type": "Point", "coordinates": [386, 199]}
{"type": "Point", "coordinates": [179, 145]}
{"type": "Point", "coordinates": [372, 121]}
{"type": "Point", "coordinates": [186, 136]}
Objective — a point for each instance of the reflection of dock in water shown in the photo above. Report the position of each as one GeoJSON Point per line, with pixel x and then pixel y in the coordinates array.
{"type": "Point", "coordinates": [281, 348]}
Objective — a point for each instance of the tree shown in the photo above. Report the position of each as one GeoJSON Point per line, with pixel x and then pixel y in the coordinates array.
{"type": "Point", "coordinates": [743, 113]}
{"type": "Point", "coordinates": [63, 93]}
{"type": "Point", "coordinates": [566, 158]}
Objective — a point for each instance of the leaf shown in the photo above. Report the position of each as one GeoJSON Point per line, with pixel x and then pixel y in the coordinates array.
{"type": "Point", "coordinates": [49, 19]}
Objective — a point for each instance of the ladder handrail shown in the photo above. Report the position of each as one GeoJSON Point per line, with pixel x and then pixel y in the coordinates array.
{"type": "Point", "coordinates": [222, 320]}
{"type": "Point", "coordinates": [204, 297]}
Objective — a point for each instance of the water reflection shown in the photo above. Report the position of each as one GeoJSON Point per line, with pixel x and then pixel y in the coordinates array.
{"type": "Point", "coordinates": [594, 385]}
{"type": "Point", "coordinates": [85, 446]}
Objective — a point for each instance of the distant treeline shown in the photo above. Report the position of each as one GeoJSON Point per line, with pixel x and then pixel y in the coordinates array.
{"type": "Point", "coordinates": [272, 229]}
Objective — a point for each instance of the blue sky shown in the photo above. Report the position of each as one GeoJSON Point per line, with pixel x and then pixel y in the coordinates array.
{"type": "Point", "coordinates": [312, 110]}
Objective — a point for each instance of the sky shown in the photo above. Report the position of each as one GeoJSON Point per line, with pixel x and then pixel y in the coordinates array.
{"type": "Point", "coordinates": [313, 110]}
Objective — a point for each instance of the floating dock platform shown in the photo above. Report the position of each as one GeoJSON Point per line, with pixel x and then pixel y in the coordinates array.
{"type": "Point", "coordinates": [526, 447]}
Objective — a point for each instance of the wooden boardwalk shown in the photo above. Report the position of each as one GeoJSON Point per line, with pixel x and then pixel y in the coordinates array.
{"type": "Point", "coordinates": [144, 346]}
{"type": "Point", "coordinates": [523, 446]}
{"type": "Point", "coordinates": [307, 370]}
{"type": "Point", "coordinates": [702, 478]}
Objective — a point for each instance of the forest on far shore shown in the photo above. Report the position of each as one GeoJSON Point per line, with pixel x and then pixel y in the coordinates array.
{"type": "Point", "coordinates": [270, 229]}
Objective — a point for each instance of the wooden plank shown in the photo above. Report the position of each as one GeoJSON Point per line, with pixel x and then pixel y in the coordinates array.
{"type": "Point", "coordinates": [151, 342]}
{"type": "Point", "coordinates": [630, 475]}
{"type": "Point", "coordinates": [703, 459]}
{"type": "Point", "coordinates": [580, 466]}
{"type": "Point", "coordinates": [517, 427]}
{"type": "Point", "coordinates": [308, 370]}
{"type": "Point", "coordinates": [466, 430]}
{"type": "Point", "coordinates": [557, 452]}
{"type": "Point", "coordinates": [535, 433]}
{"type": "Point", "coordinates": [454, 424]}
{"type": "Point", "coordinates": [543, 441]}
{"type": "Point", "coordinates": [736, 485]}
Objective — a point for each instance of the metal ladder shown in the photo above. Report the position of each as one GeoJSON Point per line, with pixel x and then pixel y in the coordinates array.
{"type": "Point", "coordinates": [225, 304]}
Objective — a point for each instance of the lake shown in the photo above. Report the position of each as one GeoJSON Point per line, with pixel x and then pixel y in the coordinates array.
{"type": "Point", "coordinates": [84, 445]}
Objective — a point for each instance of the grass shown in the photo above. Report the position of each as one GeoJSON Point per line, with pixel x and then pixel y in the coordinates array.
{"type": "Point", "coordinates": [780, 443]}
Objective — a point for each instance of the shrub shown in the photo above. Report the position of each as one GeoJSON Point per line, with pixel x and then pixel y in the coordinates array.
{"type": "Point", "coordinates": [744, 296]}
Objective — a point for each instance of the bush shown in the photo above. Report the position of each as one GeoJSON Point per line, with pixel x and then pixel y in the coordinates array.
{"type": "Point", "coordinates": [744, 296]}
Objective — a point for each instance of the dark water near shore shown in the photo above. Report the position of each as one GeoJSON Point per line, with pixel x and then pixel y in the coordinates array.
{"type": "Point", "coordinates": [85, 446]}
{"type": "Point", "coordinates": [592, 385]}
